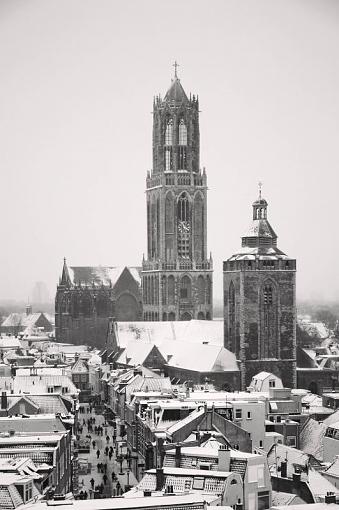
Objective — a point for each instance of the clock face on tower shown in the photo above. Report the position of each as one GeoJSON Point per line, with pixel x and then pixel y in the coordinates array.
{"type": "Point", "coordinates": [184, 227]}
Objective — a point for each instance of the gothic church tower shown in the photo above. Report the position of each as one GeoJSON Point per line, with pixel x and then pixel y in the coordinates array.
{"type": "Point", "coordinates": [176, 275]}
{"type": "Point", "coordinates": [259, 303]}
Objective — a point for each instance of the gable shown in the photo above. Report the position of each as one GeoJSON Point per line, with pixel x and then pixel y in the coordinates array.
{"type": "Point", "coordinates": [126, 282]}
{"type": "Point", "coordinates": [23, 406]}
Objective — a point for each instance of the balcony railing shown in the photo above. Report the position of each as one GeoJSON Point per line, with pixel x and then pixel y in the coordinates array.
{"type": "Point", "coordinates": [179, 265]}
{"type": "Point", "coordinates": [176, 179]}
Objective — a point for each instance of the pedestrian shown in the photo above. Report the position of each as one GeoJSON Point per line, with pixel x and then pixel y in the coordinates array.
{"type": "Point", "coordinates": [113, 476]}
{"type": "Point", "coordinates": [84, 421]}
{"type": "Point", "coordinates": [107, 439]}
{"type": "Point", "coordinates": [98, 454]}
{"type": "Point", "coordinates": [93, 443]}
{"type": "Point", "coordinates": [110, 455]}
{"type": "Point", "coordinates": [105, 479]}
{"type": "Point", "coordinates": [92, 482]}
{"type": "Point", "coordinates": [106, 450]}
{"type": "Point", "coordinates": [85, 495]}
{"type": "Point", "coordinates": [96, 430]}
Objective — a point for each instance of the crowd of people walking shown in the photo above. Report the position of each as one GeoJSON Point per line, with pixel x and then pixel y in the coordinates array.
{"type": "Point", "coordinates": [102, 443]}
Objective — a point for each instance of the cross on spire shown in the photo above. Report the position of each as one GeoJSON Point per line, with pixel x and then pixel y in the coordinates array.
{"type": "Point", "coordinates": [175, 65]}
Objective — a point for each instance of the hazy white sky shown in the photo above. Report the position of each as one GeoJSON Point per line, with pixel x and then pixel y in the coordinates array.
{"type": "Point", "coordinates": [77, 85]}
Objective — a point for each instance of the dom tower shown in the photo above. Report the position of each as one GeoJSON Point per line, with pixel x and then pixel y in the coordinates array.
{"type": "Point", "coordinates": [177, 275]}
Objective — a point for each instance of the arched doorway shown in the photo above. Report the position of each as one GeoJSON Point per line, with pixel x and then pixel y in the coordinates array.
{"type": "Point", "coordinates": [171, 316]}
{"type": "Point", "coordinates": [186, 316]}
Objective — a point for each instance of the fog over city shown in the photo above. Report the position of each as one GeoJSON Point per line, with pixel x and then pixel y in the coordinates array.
{"type": "Point", "coordinates": [77, 86]}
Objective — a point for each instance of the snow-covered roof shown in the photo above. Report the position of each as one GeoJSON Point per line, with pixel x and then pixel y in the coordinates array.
{"type": "Point", "coordinates": [101, 275]}
{"type": "Point", "coordinates": [199, 357]}
{"type": "Point", "coordinates": [197, 331]}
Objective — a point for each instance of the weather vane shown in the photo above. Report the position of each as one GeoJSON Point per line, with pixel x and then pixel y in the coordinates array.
{"type": "Point", "coordinates": [175, 65]}
{"type": "Point", "coordinates": [260, 187]}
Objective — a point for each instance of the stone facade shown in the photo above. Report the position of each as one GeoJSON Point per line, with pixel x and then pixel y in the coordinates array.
{"type": "Point", "coordinates": [176, 275]}
{"type": "Point", "coordinates": [260, 304]}
{"type": "Point", "coordinates": [87, 296]}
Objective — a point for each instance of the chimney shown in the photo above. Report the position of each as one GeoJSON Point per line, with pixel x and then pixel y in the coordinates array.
{"type": "Point", "coordinates": [3, 400]}
{"type": "Point", "coordinates": [28, 309]}
{"type": "Point", "coordinates": [283, 468]}
{"type": "Point", "coordinates": [160, 479]}
{"type": "Point", "coordinates": [224, 458]}
{"type": "Point", "coordinates": [296, 477]}
{"type": "Point", "coordinates": [177, 456]}
{"type": "Point", "coordinates": [330, 498]}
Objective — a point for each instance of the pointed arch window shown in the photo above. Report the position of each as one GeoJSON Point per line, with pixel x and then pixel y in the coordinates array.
{"type": "Point", "coordinates": [168, 146]}
{"type": "Point", "coordinates": [182, 152]}
{"type": "Point", "coordinates": [169, 133]}
{"type": "Point", "coordinates": [269, 322]}
{"type": "Point", "coordinates": [182, 132]}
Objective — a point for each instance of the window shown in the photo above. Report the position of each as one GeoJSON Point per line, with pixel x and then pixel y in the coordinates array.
{"type": "Point", "coordinates": [260, 475]}
{"type": "Point", "coordinates": [168, 159]}
{"type": "Point", "coordinates": [249, 415]}
{"type": "Point", "coordinates": [234, 482]}
{"type": "Point", "coordinates": [263, 500]}
{"type": "Point", "coordinates": [238, 414]}
{"type": "Point", "coordinates": [182, 133]}
{"type": "Point", "coordinates": [28, 492]}
{"type": "Point", "coordinates": [260, 443]}
{"type": "Point", "coordinates": [251, 501]}
{"type": "Point", "coordinates": [271, 383]}
{"type": "Point", "coordinates": [291, 441]}
{"type": "Point", "coordinates": [50, 389]}
{"type": "Point", "coordinates": [169, 133]}
{"type": "Point", "coordinates": [198, 483]}
{"type": "Point", "coordinates": [252, 474]}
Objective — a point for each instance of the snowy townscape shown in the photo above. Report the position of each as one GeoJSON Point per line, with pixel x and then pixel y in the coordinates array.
{"type": "Point", "coordinates": [179, 381]}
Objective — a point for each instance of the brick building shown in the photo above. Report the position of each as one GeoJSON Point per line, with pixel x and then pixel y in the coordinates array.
{"type": "Point", "coordinates": [259, 303]}
{"type": "Point", "coordinates": [177, 274]}
{"type": "Point", "coordinates": [87, 296]}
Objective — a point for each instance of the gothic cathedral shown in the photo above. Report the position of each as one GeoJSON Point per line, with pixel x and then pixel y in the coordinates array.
{"type": "Point", "coordinates": [260, 304]}
{"type": "Point", "coordinates": [176, 275]}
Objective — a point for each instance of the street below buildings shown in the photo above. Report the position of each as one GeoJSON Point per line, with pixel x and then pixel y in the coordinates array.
{"type": "Point", "coordinates": [106, 476]}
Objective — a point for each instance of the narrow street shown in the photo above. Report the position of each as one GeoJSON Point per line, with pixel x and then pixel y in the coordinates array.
{"type": "Point", "coordinates": [111, 488]}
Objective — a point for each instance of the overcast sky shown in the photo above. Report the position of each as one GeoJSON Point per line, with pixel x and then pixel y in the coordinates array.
{"type": "Point", "coordinates": [77, 85]}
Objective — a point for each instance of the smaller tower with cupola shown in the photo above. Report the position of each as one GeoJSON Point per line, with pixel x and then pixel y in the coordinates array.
{"type": "Point", "coordinates": [176, 273]}
{"type": "Point", "coordinates": [260, 303]}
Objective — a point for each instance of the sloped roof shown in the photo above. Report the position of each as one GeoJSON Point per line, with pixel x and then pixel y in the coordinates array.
{"type": "Point", "coordinates": [36, 384]}
{"type": "Point", "coordinates": [333, 469]}
{"type": "Point", "coordinates": [101, 275]}
{"type": "Point", "coordinates": [311, 438]}
{"type": "Point", "coordinates": [197, 331]}
{"type": "Point", "coordinates": [50, 403]}
{"type": "Point", "coordinates": [36, 423]}
{"type": "Point", "coordinates": [319, 485]}
{"type": "Point", "coordinates": [80, 367]}
{"type": "Point", "coordinates": [25, 321]}
{"type": "Point", "coordinates": [199, 357]}
{"type": "Point", "coordinates": [176, 92]}
{"type": "Point", "coordinates": [295, 457]}
{"type": "Point", "coordinates": [260, 228]}
{"type": "Point", "coordinates": [135, 353]}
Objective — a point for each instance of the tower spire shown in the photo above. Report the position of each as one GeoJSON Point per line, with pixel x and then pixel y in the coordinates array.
{"type": "Point", "coordinates": [65, 278]}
